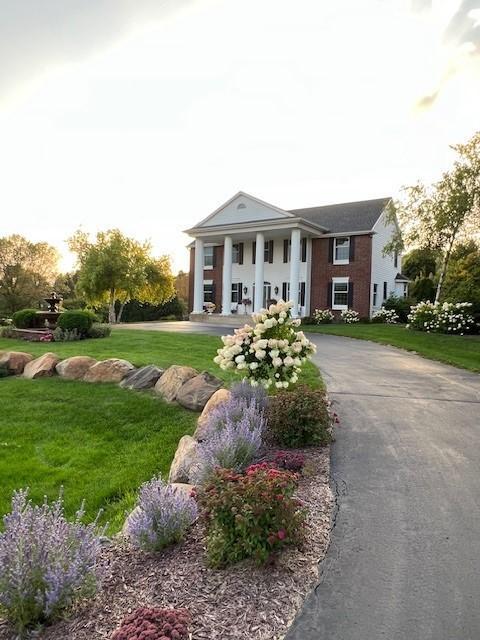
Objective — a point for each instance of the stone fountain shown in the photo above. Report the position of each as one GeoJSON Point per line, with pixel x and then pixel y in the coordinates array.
{"type": "Point", "coordinates": [48, 319]}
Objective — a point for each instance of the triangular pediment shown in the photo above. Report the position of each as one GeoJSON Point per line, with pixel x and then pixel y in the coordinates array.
{"type": "Point", "coordinates": [243, 208]}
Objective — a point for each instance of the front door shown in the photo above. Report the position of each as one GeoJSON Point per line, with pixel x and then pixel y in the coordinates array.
{"type": "Point", "coordinates": [267, 294]}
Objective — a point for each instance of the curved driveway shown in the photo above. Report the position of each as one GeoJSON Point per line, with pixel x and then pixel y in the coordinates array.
{"type": "Point", "coordinates": [404, 562]}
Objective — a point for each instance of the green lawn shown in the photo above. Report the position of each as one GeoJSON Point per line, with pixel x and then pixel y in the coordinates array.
{"type": "Point", "coordinates": [99, 441]}
{"type": "Point", "coordinates": [460, 351]}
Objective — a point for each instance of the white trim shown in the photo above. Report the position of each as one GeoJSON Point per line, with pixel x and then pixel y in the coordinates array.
{"type": "Point", "coordinates": [260, 225]}
{"type": "Point", "coordinates": [339, 280]}
{"type": "Point", "coordinates": [343, 260]}
{"type": "Point", "coordinates": [208, 282]}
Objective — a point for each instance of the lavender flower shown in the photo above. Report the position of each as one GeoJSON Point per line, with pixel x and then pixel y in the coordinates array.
{"type": "Point", "coordinates": [234, 446]}
{"type": "Point", "coordinates": [162, 516]}
{"type": "Point", "coordinates": [46, 562]}
{"type": "Point", "coordinates": [245, 391]}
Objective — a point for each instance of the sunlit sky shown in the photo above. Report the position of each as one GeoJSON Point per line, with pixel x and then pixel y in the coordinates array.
{"type": "Point", "coordinates": [147, 114]}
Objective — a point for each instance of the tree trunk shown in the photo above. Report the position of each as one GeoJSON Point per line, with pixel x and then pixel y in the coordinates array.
{"type": "Point", "coordinates": [443, 270]}
{"type": "Point", "coordinates": [111, 307]}
{"type": "Point", "coordinates": [120, 312]}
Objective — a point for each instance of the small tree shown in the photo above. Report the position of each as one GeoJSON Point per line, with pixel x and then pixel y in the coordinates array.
{"type": "Point", "coordinates": [117, 268]}
{"type": "Point", "coordinates": [437, 217]}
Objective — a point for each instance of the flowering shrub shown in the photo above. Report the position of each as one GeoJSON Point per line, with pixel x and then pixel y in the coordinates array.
{"type": "Point", "coordinates": [244, 390]}
{"type": "Point", "coordinates": [251, 515]}
{"type": "Point", "coordinates": [270, 353]}
{"type": "Point", "coordinates": [66, 335]}
{"type": "Point", "coordinates": [388, 316]}
{"type": "Point", "coordinates": [299, 418]}
{"type": "Point", "coordinates": [289, 461]}
{"type": "Point", "coordinates": [46, 562]}
{"type": "Point", "coordinates": [232, 442]}
{"type": "Point", "coordinates": [47, 337]}
{"type": "Point", "coordinates": [162, 517]}
{"type": "Point", "coordinates": [349, 316]}
{"type": "Point", "coordinates": [154, 624]}
{"type": "Point", "coordinates": [323, 316]}
{"type": "Point", "coordinates": [448, 317]}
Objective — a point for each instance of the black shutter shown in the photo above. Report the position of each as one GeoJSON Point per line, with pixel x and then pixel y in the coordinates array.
{"type": "Point", "coordinates": [284, 291]}
{"type": "Point", "coordinates": [304, 249]}
{"type": "Point", "coordinates": [240, 253]}
{"type": "Point", "coordinates": [254, 251]}
{"type": "Point", "coordinates": [329, 294]}
{"type": "Point", "coordinates": [352, 249]}
{"type": "Point", "coordinates": [302, 294]}
{"type": "Point", "coordinates": [270, 251]}
{"type": "Point", "coordinates": [214, 257]}
{"type": "Point", "coordinates": [285, 250]}
{"type": "Point", "coordinates": [330, 249]}
{"type": "Point", "coordinates": [240, 292]}
{"type": "Point", "coordinates": [214, 300]}
{"type": "Point", "coordinates": [350, 295]}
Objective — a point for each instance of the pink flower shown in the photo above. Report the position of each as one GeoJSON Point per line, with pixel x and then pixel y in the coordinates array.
{"type": "Point", "coordinates": [282, 534]}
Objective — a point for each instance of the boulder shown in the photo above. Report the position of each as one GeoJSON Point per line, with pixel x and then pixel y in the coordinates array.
{"type": "Point", "coordinates": [197, 391]}
{"type": "Point", "coordinates": [75, 368]}
{"type": "Point", "coordinates": [126, 524]}
{"type": "Point", "coordinates": [143, 378]}
{"type": "Point", "coordinates": [172, 380]}
{"type": "Point", "coordinates": [13, 362]}
{"type": "Point", "coordinates": [111, 370]}
{"type": "Point", "coordinates": [42, 367]}
{"type": "Point", "coordinates": [186, 456]}
{"type": "Point", "coordinates": [218, 398]}
{"type": "Point", "coordinates": [184, 487]}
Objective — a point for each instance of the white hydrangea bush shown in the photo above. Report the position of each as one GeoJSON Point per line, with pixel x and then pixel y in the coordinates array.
{"type": "Point", "coordinates": [389, 316]}
{"type": "Point", "coordinates": [323, 316]}
{"type": "Point", "coordinates": [272, 352]}
{"type": "Point", "coordinates": [449, 317]}
{"type": "Point", "coordinates": [349, 316]}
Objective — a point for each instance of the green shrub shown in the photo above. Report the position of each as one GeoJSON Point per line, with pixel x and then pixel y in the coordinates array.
{"type": "Point", "coordinates": [299, 418]}
{"type": "Point", "coordinates": [66, 335]}
{"type": "Point", "coordinates": [251, 515]}
{"type": "Point", "coordinates": [80, 320]}
{"type": "Point", "coordinates": [25, 319]}
{"type": "Point", "coordinates": [400, 305]}
{"type": "Point", "coordinates": [98, 330]}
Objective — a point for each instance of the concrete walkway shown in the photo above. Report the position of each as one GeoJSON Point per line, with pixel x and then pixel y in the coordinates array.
{"type": "Point", "coordinates": [405, 553]}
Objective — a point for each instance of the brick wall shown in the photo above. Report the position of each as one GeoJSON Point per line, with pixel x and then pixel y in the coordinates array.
{"type": "Point", "coordinates": [359, 272]}
{"type": "Point", "coordinates": [214, 274]}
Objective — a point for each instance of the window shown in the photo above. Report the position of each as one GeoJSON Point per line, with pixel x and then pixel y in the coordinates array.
{"type": "Point", "coordinates": [301, 293]}
{"type": "Point", "coordinates": [341, 250]}
{"type": "Point", "coordinates": [237, 292]}
{"type": "Point", "coordinates": [340, 294]}
{"type": "Point", "coordinates": [235, 253]}
{"type": "Point", "coordinates": [208, 257]}
{"type": "Point", "coordinates": [375, 294]}
{"type": "Point", "coordinates": [385, 287]}
{"type": "Point", "coordinates": [395, 259]}
{"type": "Point", "coordinates": [268, 251]}
{"type": "Point", "coordinates": [208, 291]}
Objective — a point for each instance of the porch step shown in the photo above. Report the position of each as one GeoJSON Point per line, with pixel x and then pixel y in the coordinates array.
{"type": "Point", "coordinates": [234, 320]}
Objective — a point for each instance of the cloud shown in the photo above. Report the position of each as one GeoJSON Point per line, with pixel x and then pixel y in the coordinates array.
{"type": "Point", "coordinates": [34, 35]}
{"type": "Point", "coordinates": [463, 34]}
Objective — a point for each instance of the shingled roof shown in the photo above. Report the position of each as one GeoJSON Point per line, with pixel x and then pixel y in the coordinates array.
{"type": "Point", "coordinates": [349, 216]}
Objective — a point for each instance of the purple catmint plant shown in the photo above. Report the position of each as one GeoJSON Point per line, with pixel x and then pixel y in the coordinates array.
{"type": "Point", "coordinates": [234, 411]}
{"type": "Point", "coordinates": [46, 561]}
{"type": "Point", "coordinates": [162, 516]}
{"type": "Point", "coordinates": [234, 446]}
{"type": "Point", "coordinates": [245, 391]}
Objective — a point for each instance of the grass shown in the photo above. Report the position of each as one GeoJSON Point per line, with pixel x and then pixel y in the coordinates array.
{"type": "Point", "coordinates": [98, 441]}
{"type": "Point", "coordinates": [460, 351]}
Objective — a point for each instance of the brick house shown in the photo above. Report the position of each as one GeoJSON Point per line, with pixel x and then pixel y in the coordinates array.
{"type": "Point", "coordinates": [329, 256]}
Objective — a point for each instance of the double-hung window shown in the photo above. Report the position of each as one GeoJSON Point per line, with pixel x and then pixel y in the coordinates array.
{"type": "Point", "coordinates": [235, 253]}
{"type": "Point", "coordinates": [375, 295]}
{"type": "Point", "coordinates": [237, 292]}
{"type": "Point", "coordinates": [208, 291]}
{"type": "Point", "coordinates": [341, 250]}
{"type": "Point", "coordinates": [208, 257]}
{"type": "Point", "coordinates": [340, 293]}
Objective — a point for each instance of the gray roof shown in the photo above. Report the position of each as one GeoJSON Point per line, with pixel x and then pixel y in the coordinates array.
{"type": "Point", "coordinates": [349, 216]}
{"type": "Point", "coordinates": [401, 278]}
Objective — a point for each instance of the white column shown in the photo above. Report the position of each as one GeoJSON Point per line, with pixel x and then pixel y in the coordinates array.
{"type": "Point", "coordinates": [198, 277]}
{"type": "Point", "coordinates": [227, 276]}
{"type": "Point", "coordinates": [259, 264]}
{"type": "Point", "coordinates": [295, 270]}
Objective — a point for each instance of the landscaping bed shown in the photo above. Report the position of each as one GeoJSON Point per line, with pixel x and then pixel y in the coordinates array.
{"type": "Point", "coordinates": [241, 602]}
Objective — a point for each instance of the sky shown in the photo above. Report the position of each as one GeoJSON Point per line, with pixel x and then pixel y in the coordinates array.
{"type": "Point", "coordinates": [146, 115]}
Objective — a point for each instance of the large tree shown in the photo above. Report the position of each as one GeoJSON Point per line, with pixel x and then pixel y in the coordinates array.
{"type": "Point", "coordinates": [437, 217]}
{"type": "Point", "coordinates": [27, 272]}
{"type": "Point", "coordinates": [116, 268]}
{"type": "Point", "coordinates": [462, 280]}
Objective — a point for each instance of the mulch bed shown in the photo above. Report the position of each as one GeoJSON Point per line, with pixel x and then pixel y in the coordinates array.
{"type": "Point", "coordinates": [241, 602]}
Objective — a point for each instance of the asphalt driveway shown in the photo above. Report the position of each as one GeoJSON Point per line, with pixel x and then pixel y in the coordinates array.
{"type": "Point", "coordinates": [404, 562]}
{"type": "Point", "coordinates": [405, 553]}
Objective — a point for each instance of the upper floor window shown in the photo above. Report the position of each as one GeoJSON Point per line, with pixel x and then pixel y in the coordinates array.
{"type": "Point", "coordinates": [341, 250]}
{"type": "Point", "coordinates": [268, 251]}
{"type": "Point", "coordinates": [235, 253]}
{"type": "Point", "coordinates": [395, 259]}
{"type": "Point", "coordinates": [208, 256]}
